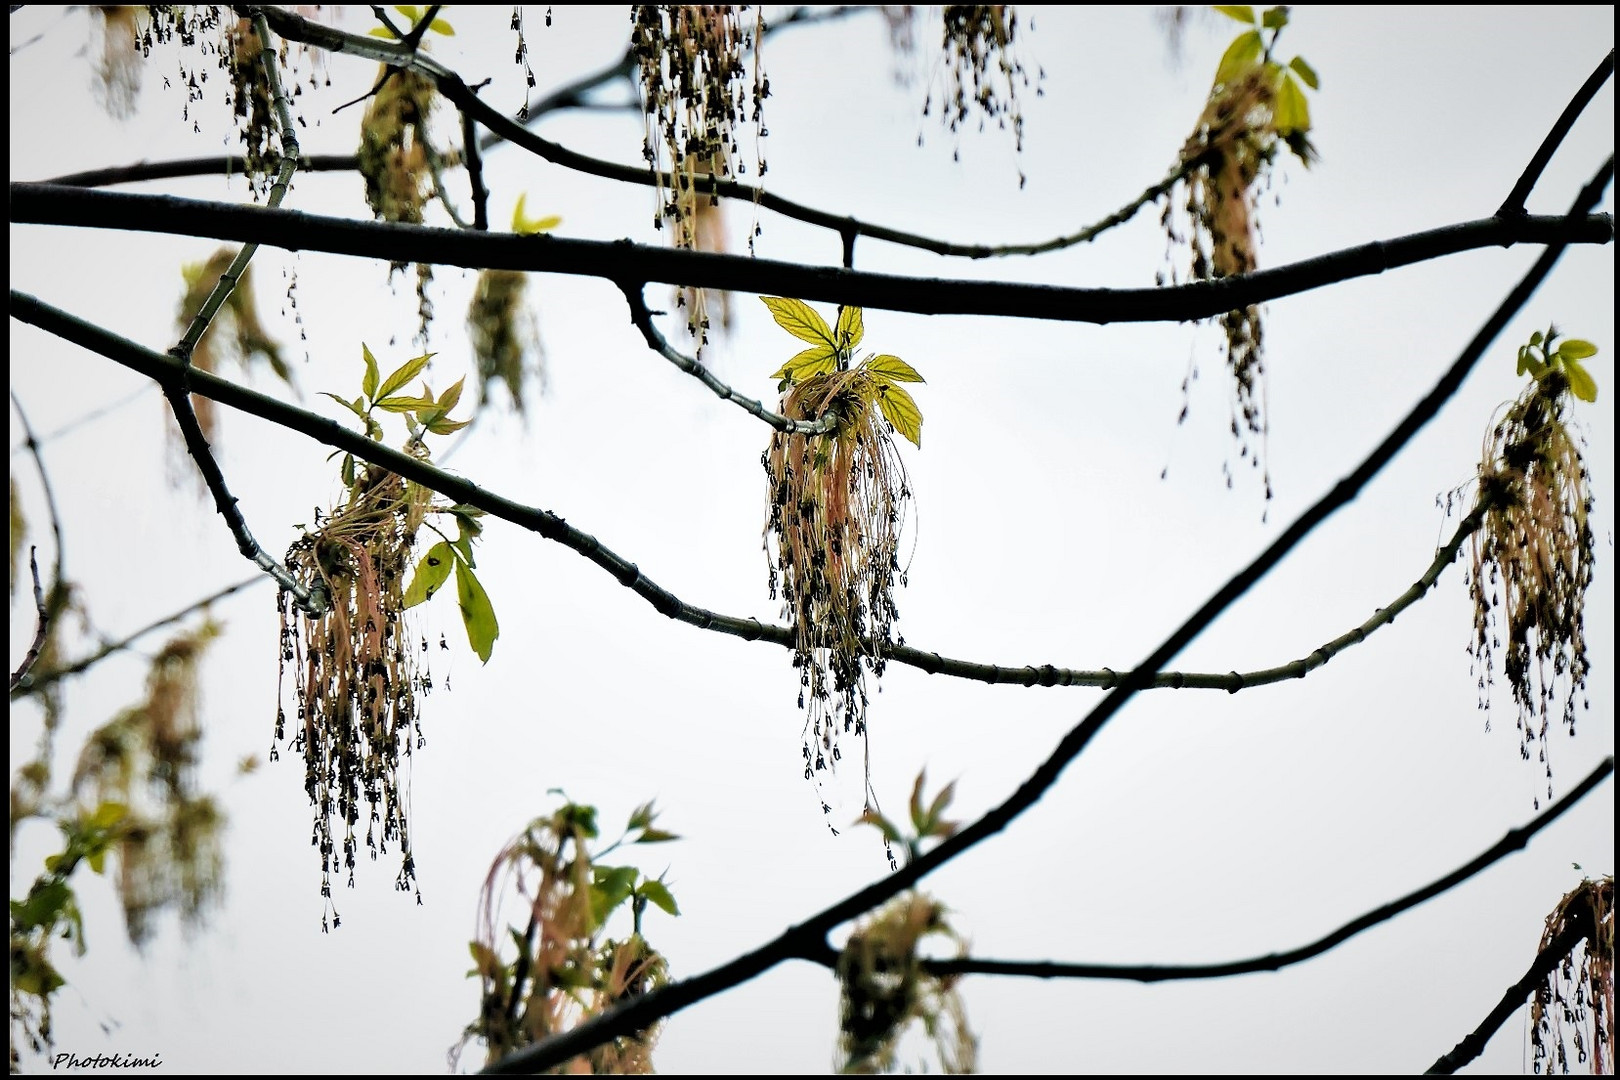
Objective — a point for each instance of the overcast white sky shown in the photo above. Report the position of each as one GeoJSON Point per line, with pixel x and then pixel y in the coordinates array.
{"type": "Point", "coordinates": [1198, 827]}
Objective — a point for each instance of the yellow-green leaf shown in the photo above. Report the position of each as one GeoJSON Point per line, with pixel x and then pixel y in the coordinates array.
{"type": "Point", "coordinates": [97, 860]}
{"type": "Point", "coordinates": [404, 374]}
{"type": "Point", "coordinates": [431, 573]}
{"type": "Point", "coordinates": [439, 26]}
{"type": "Point", "coordinates": [448, 399]}
{"type": "Point", "coordinates": [1243, 13]}
{"type": "Point", "coordinates": [801, 320]}
{"type": "Point", "coordinates": [477, 613]}
{"type": "Point", "coordinates": [900, 410]}
{"type": "Point", "coordinates": [107, 815]}
{"type": "Point", "coordinates": [1305, 72]}
{"type": "Point", "coordinates": [402, 403]}
{"type": "Point", "coordinates": [444, 425]}
{"type": "Point", "coordinates": [816, 360]}
{"type": "Point", "coordinates": [850, 327]}
{"type": "Point", "coordinates": [1292, 113]}
{"type": "Point", "coordinates": [524, 225]}
{"type": "Point", "coordinates": [893, 368]}
{"type": "Point", "coordinates": [1581, 383]}
{"type": "Point", "coordinates": [1577, 349]}
{"type": "Point", "coordinates": [380, 31]}
{"type": "Point", "coordinates": [1274, 18]}
{"type": "Point", "coordinates": [660, 895]}
{"type": "Point", "coordinates": [1240, 56]}
{"type": "Point", "coordinates": [369, 384]}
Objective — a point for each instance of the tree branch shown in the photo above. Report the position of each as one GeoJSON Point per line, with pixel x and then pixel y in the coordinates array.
{"type": "Point", "coordinates": [1473, 1044]}
{"type": "Point", "coordinates": [165, 368]}
{"type": "Point", "coordinates": [636, 1013]}
{"type": "Point", "coordinates": [37, 681]}
{"type": "Point", "coordinates": [1514, 203]}
{"type": "Point", "coordinates": [42, 624]}
{"type": "Point", "coordinates": [642, 318]}
{"type": "Point", "coordinates": [620, 261]}
{"type": "Point", "coordinates": [1514, 840]}
{"type": "Point", "coordinates": [177, 389]}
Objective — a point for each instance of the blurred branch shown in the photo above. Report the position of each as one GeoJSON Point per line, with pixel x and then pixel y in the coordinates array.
{"type": "Point", "coordinates": [89, 417]}
{"type": "Point", "coordinates": [164, 369]}
{"type": "Point", "coordinates": [32, 443]}
{"type": "Point", "coordinates": [35, 682]}
{"type": "Point", "coordinates": [638, 1012]}
{"type": "Point", "coordinates": [1514, 203]}
{"type": "Point", "coordinates": [621, 261]}
{"type": "Point", "coordinates": [642, 317]}
{"type": "Point", "coordinates": [42, 624]}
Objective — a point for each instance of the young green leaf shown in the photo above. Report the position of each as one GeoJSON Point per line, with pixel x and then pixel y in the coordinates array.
{"type": "Point", "coordinates": [900, 410]}
{"type": "Point", "coordinates": [107, 815]}
{"type": "Point", "coordinates": [1240, 56]}
{"type": "Point", "coordinates": [524, 225]}
{"type": "Point", "coordinates": [1577, 349]}
{"type": "Point", "coordinates": [401, 403]}
{"type": "Point", "coordinates": [444, 426]}
{"type": "Point", "coordinates": [1243, 13]}
{"type": "Point", "coordinates": [369, 384]}
{"type": "Point", "coordinates": [1274, 18]}
{"type": "Point", "coordinates": [450, 397]}
{"type": "Point", "coordinates": [655, 836]}
{"type": "Point", "coordinates": [1292, 113]}
{"type": "Point", "coordinates": [801, 320]}
{"type": "Point", "coordinates": [659, 894]}
{"type": "Point", "coordinates": [477, 613]}
{"type": "Point", "coordinates": [1581, 383]}
{"type": "Point", "coordinates": [431, 573]}
{"type": "Point", "coordinates": [816, 360]}
{"type": "Point", "coordinates": [884, 825]}
{"type": "Point", "coordinates": [893, 369]}
{"type": "Point", "coordinates": [355, 406]}
{"type": "Point", "coordinates": [1306, 73]}
{"type": "Point", "coordinates": [407, 371]}
{"type": "Point", "coordinates": [850, 327]}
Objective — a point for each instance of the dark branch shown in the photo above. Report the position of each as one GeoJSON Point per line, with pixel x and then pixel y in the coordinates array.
{"type": "Point", "coordinates": [642, 318]}
{"type": "Point", "coordinates": [1473, 1044]}
{"type": "Point", "coordinates": [622, 261]}
{"type": "Point", "coordinates": [32, 442]}
{"type": "Point", "coordinates": [37, 681]}
{"type": "Point", "coordinates": [1515, 840]}
{"type": "Point", "coordinates": [164, 369]}
{"type": "Point", "coordinates": [228, 165]}
{"type": "Point", "coordinates": [1514, 204]}
{"type": "Point", "coordinates": [42, 624]}
{"type": "Point", "coordinates": [637, 1013]}
{"type": "Point", "coordinates": [475, 172]}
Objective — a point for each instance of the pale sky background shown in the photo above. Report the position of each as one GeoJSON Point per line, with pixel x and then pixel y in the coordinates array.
{"type": "Point", "coordinates": [1198, 827]}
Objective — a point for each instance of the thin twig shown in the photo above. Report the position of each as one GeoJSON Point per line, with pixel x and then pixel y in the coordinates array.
{"type": "Point", "coordinates": [42, 624]}
{"type": "Point", "coordinates": [642, 318]}
{"type": "Point", "coordinates": [33, 445]}
{"type": "Point", "coordinates": [88, 418]}
{"type": "Point", "coordinates": [163, 368]}
{"type": "Point", "coordinates": [177, 389]}
{"type": "Point", "coordinates": [1514, 840]}
{"type": "Point", "coordinates": [638, 1012]}
{"type": "Point", "coordinates": [37, 681]}
{"type": "Point", "coordinates": [620, 260]}
{"type": "Point", "coordinates": [1514, 203]}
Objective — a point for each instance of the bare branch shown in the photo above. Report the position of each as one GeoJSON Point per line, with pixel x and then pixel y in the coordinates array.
{"type": "Point", "coordinates": [636, 1013]}
{"type": "Point", "coordinates": [37, 681]}
{"type": "Point", "coordinates": [642, 317]}
{"type": "Point", "coordinates": [1514, 203]}
{"type": "Point", "coordinates": [165, 369]}
{"type": "Point", "coordinates": [1514, 840]}
{"type": "Point", "coordinates": [42, 624]}
{"type": "Point", "coordinates": [621, 261]}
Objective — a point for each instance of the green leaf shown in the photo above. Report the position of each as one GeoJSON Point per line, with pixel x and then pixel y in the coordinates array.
{"type": "Point", "coordinates": [1581, 383]}
{"type": "Point", "coordinates": [524, 225]}
{"type": "Point", "coordinates": [400, 403]}
{"type": "Point", "coordinates": [348, 471]}
{"type": "Point", "coordinates": [354, 406]}
{"type": "Point", "coordinates": [407, 371]}
{"type": "Point", "coordinates": [431, 573]}
{"type": "Point", "coordinates": [656, 836]}
{"type": "Point", "coordinates": [660, 895]}
{"type": "Point", "coordinates": [1274, 18]}
{"type": "Point", "coordinates": [900, 410]}
{"type": "Point", "coordinates": [1535, 338]}
{"type": "Point", "coordinates": [937, 807]}
{"type": "Point", "coordinates": [1306, 73]}
{"type": "Point", "coordinates": [801, 320]}
{"type": "Point", "coordinates": [851, 327]}
{"type": "Point", "coordinates": [816, 360]}
{"type": "Point", "coordinates": [890, 833]}
{"type": "Point", "coordinates": [444, 425]}
{"type": "Point", "coordinates": [477, 613]}
{"type": "Point", "coordinates": [380, 31]}
{"type": "Point", "coordinates": [1244, 52]}
{"type": "Point", "coordinates": [439, 26]}
{"type": "Point", "coordinates": [916, 800]}
{"type": "Point", "coordinates": [450, 397]}
{"type": "Point", "coordinates": [642, 818]}
{"type": "Point", "coordinates": [893, 368]}
{"type": "Point", "coordinates": [612, 887]}
{"type": "Point", "coordinates": [1243, 13]}
{"type": "Point", "coordinates": [44, 904]}
{"type": "Point", "coordinates": [97, 860]}
{"type": "Point", "coordinates": [1577, 349]}
{"type": "Point", "coordinates": [369, 383]}
{"type": "Point", "coordinates": [107, 815]}
{"type": "Point", "coordinates": [1292, 113]}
